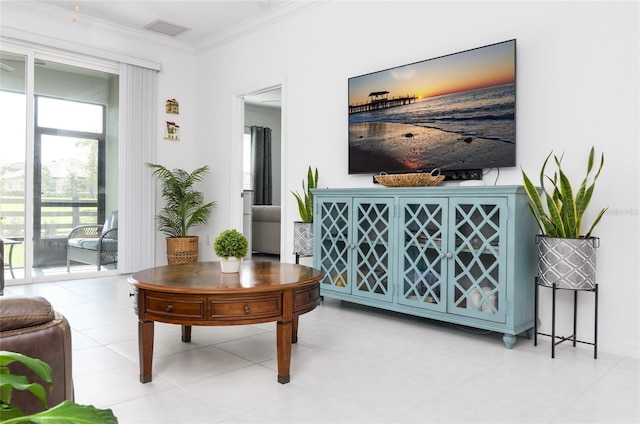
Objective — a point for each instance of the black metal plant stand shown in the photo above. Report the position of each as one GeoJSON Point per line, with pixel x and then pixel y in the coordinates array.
{"type": "Point", "coordinates": [298, 256]}
{"type": "Point", "coordinates": [572, 337]}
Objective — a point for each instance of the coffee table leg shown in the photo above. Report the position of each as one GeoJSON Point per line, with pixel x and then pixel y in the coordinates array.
{"type": "Point", "coordinates": [283, 344]}
{"type": "Point", "coordinates": [186, 333]}
{"type": "Point", "coordinates": [145, 349]}
{"type": "Point", "coordinates": [294, 330]}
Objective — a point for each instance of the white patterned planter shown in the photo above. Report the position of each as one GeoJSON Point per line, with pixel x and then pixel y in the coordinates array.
{"type": "Point", "coordinates": [569, 263]}
{"type": "Point", "coordinates": [303, 238]}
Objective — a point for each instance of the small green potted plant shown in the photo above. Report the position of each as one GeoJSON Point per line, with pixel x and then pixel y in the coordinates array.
{"type": "Point", "coordinates": [185, 208]}
{"type": "Point", "coordinates": [566, 254]}
{"type": "Point", "coordinates": [231, 246]}
{"type": "Point", "coordinates": [64, 412]}
{"type": "Point", "coordinates": [303, 229]}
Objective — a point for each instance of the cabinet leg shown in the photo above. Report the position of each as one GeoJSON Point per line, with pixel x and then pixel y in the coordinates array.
{"type": "Point", "coordinates": [509, 340]}
{"type": "Point", "coordinates": [530, 333]}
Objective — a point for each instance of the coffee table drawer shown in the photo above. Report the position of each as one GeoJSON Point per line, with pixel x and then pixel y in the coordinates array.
{"type": "Point", "coordinates": [306, 299]}
{"type": "Point", "coordinates": [175, 307]}
{"type": "Point", "coordinates": [249, 307]}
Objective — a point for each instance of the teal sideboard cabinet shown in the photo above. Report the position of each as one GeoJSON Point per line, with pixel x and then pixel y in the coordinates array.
{"type": "Point", "coordinates": [465, 255]}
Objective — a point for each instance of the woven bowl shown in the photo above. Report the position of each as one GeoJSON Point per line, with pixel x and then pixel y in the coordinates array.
{"type": "Point", "coordinates": [409, 180]}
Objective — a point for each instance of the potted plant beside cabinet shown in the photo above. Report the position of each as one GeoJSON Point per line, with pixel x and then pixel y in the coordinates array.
{"type": "Point", "coordinates": [303, 230]}
{"type": "Point", "coordinates": [185, 208]}
{"type": "Point", "coordinates": [566, 255]}
{"type": "Point", "coordinates": [231, 246]}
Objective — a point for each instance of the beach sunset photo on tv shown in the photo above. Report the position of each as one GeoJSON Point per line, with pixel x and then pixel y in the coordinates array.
{"type": "Point", "coordinates": [454, 112]}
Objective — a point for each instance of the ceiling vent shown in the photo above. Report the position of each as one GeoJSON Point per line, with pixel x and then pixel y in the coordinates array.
{"type": "Point", "coordinates": [165, 28]}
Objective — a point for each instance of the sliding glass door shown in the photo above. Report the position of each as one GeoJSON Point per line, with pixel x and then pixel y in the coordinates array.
{"type": "Point", "coordinates": [69, 174]}
{"type": "Point", "coordinates": [63, 168]}
{"type": "Point", "coordinates": [13, 173]}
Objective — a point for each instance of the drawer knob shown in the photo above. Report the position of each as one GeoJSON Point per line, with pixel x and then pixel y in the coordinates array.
{"type": "Point", "coordinates": [246, 309]}
{"type": "Point", "coordinates": [169, 308]}
{"type": "Point", "coordinates": [131, 294]}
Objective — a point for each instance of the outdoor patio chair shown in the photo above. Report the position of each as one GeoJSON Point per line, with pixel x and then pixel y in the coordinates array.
{"type": "Point", "coordinates": [94, 244]}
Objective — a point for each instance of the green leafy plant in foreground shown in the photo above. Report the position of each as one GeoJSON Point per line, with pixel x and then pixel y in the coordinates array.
{"type": "Point", "coordinates": [564, 213]}
{"type": "Point", "coordinates": [66, 412]}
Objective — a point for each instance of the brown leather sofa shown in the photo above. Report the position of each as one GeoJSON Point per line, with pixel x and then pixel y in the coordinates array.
{"type": "Point", "coordinates": [30, 326]}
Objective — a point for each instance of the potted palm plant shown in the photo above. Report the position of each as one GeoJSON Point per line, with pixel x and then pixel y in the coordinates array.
{"type": "Point", "coordinates": [185, 208]}
{"type": "Point", "coordinates": [566, 255]}
{"type": "Point", "coordinates": [231, 246]}
{"type": "Point", "coordinates": [303, 230]}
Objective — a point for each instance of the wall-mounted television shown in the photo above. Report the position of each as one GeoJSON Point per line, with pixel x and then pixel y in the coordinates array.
{"type": "Point", "coordinates": [456, 113]}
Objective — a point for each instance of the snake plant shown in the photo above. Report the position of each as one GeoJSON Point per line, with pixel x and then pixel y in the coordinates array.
{"type": "Point", "coordinates": [564, 212]}
{"type": "Point", "coordinates": [305, 200]}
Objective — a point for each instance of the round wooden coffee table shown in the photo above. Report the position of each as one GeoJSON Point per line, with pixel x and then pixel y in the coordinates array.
{"type": "Point", "coordinates": [199, 294]}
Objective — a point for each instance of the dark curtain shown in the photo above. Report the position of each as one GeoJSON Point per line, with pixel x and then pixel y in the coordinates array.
{"type": "Point", "coordinates": [261, 165]}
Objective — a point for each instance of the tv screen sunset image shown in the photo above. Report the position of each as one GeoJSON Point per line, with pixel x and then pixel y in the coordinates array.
{"type": "Point", "coordinates": [453, 112]}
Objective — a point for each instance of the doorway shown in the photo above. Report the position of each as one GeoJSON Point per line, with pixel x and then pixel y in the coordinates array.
{"type": "Point", "coordinates": [263, 111]}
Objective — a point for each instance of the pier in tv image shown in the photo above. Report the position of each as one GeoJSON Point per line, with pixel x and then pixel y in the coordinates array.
{"type": "Point", "coordinates": [455, 112]}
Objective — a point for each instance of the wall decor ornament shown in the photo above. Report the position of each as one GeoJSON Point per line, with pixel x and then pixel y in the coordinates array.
{"type": "Point", "coordinates": [172, 131]}
{"type": "Point", "coordinates": [172, 107]}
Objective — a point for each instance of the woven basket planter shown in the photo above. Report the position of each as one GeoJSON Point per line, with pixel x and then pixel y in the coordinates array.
{"type": "Point", "coordinates": [182, 250]}
{"type": "Point", "coordinates": [567, 263]}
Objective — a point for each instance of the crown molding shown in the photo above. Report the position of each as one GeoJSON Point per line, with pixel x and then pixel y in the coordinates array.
{"type": "Point", "coordinates": [59, 17]}
{"type": "Point", "coordinates": [89, 23]}
{"type": "Point", "coordinates": [282, 12]}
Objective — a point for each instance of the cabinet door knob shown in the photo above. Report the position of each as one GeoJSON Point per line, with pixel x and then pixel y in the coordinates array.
{"type": "Point", "coordinates": [169, 308]}
{"type": "Point", "coordinates": [246, 309]}
{"type": "Point", "coordinates": [449, 255]}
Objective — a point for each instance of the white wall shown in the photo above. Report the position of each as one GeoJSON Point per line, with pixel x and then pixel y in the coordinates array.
{"type": "Point", "coordinates": [577, 86]}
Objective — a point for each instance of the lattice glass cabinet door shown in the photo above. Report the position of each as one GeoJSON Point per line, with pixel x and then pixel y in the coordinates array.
{"type": "Point", "coordinates": [333, 242]}
{"type": "Point", "coordinates": [423, 247]}
{"type": "Point", "coordinates": [477, 241]}
{"type": "Point", "coordinates": [373, 233]}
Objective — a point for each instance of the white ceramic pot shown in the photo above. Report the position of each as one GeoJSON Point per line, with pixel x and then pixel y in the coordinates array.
{"type": "Point", "coordinates": [230, 265]}
{"type": "Point", "coordinates": [475, 301]}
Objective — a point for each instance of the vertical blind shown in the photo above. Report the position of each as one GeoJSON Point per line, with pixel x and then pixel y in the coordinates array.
{"type": "Point", "coordinates": [138, 94]}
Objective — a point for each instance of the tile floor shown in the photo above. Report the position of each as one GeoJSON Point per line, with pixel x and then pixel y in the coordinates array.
{"type": "Point", "coordinates": [351, 365]}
